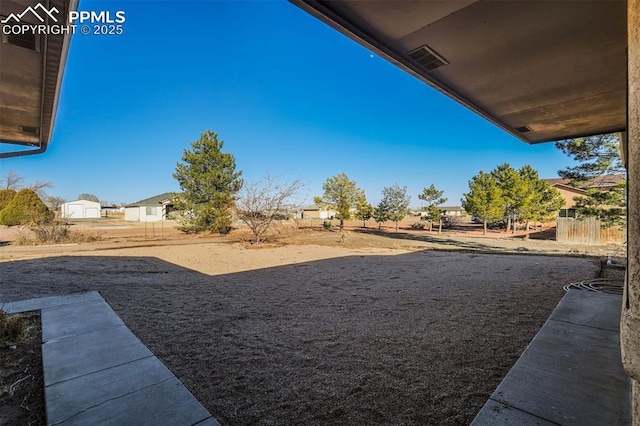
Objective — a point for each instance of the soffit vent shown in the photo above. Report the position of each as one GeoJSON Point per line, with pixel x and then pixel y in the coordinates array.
{"type": "Point", "coordinates": [523, 129]}
{"type": "Point", "coordinates": [30, 130]}
{"type": "Point", "coordinates": [426, 57]}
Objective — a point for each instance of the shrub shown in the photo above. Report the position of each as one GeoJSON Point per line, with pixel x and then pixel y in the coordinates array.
{"type": "Point", "coordinates": [23, 237]}
{"type": "Point", "coordinates": [11, 327]}
{"type": "Point", "coordinates": [418, 225]}
{"type": "Point", "coordinates": [326, 224]}
{"type": "Point", "coordinates": [6, 195]}
{"type": "Point", "coordinates": [451, 221]}
{"type": "Point", "coordinates": [53, 232]}
{"type": "Point", "coordinates": [25, 208]}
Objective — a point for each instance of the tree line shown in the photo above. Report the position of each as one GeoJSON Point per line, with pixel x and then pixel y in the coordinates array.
{"type": "Point", "coordinates": [512, 196]}
{"type": "Point", "coordinates": [211, 189]}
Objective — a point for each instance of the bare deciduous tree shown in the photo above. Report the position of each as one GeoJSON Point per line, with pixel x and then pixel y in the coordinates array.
{"type": "Point", "coordinates": [54, 203]}
{"type": "Point", "coordinates": [11, 181]}
{"type": "Point", "coordinates": [264, 201]}
{"type": "Point", "coordinates": [39, 187]}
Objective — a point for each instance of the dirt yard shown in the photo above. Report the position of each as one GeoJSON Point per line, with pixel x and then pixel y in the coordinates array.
{"type": "Point", "coordinates": [377, 328]}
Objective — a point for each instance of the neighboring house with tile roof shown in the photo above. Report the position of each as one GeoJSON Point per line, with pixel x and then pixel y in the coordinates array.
{"type": "Point", "coordinates": [150, 209]}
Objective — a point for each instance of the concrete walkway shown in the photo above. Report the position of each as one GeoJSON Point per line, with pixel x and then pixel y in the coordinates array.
{"type": "Point", "coordinates": [571, 373]}
{"type": "Point", "coordinates": [96, 371]}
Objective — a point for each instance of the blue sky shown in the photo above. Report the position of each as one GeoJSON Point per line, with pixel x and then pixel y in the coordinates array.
{"type": "Point", "coordinates": [288, 95]}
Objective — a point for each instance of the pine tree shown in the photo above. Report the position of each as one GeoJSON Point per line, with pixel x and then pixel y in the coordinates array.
{"type": "Point", "coordinates": [433, 198]}
{"type": "Point", "coordinates": [364, 210]}
{"type": "Point", "coordinates": [512, 189]}
{"type": "Point", "coordinates": [209, 183]}
{"type": "Point", "coordinates": [484, 199]}
{"type": "Point", "coordinates": [380, 214]}
{"type": "Point", "coordinates": [539, 201]}
{"type": "Point", "coordinates": [599, 156]}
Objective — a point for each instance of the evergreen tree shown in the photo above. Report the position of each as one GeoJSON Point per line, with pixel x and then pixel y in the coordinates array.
{"type": "Point", "coordinates": [6, 195]}
{"type": "Point", "coordinates": [209, 183]}
{"type": "Point", "coordinates": [25, 208]}
{"type": "Point", "coordinates": [484, 199]}
{"type": "Point", "coordinates": [433, 198]}
{"type": "Point", "coordinates": [539, 201]}
{"type": "Point", "coordinates": [380, 214]}
{"type": "Point", "coordinates": [513, 191]}
{"type": "Point", "coordinates": [608, 206]}
{"type": "Point", "coordinates": [598, 156]}
{"type": "Point", "coordinates": [364, 210]}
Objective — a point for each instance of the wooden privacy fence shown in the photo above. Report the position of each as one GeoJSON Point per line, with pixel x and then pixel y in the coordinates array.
{"type": "Point", "coordinates": [588, 231]}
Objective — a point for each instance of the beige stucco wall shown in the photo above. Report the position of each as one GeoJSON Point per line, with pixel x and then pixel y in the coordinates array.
{"type": "Point", "coordinates": [630, 324]}
{"type": "Point", "coordinates": [568, 196]}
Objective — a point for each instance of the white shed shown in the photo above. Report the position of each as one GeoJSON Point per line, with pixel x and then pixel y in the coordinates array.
{"type": "Point", "coordinates": [80, 209]}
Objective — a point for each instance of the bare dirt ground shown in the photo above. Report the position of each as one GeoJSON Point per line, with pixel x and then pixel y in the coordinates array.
{"type": "Point", "coordinates": [113, 233]}
{"type": "Point", "coordinates": [309, 330]}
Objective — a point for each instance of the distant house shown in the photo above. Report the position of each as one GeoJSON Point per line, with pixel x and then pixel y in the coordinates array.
{"type": "Point", "coordinates": [600, 182]}
{"type": "Point", "coordinates": [444, 210]}
{"type": "Point", "coordinates": [80, 209]}
{"type": "Point", "coordinates": [315, 212]}
{"type": "Point", "coordinates": [112, 209]}
{"type": "Point", "coordinates": [151, 209]}
{"type": "Point", "coordinates": [569, 192]}
{"type": "Point", "coordinates": [452, 211]}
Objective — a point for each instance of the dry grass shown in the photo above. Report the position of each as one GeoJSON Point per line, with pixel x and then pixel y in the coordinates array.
{"type": "Point", "coordinates": [12, 327]}
{"type": "Point", "coordinates": [419, 338]}
{"type": "Point", "coordinates": [55, 232]}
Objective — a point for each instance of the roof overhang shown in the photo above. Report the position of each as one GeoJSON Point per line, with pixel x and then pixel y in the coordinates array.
{"type": "Point", "coordinates": [31, 73]}
{"type": "Point", "coordinates": [541, 70]}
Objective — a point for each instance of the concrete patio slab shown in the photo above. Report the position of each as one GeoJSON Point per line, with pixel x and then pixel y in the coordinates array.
{"type": "Point", "coordinates": [70, 397]}
{"type": "Point", "coordinates": [47, 302]}
{"type": "Point", "coordinates": [71, 319]}
{"type": "Point", "coordinates": [495, 413]}
{"type": "Point", "coordinates": [165, 403]}
{"type": "Point", "coordinates": [571, 373]}
{"type": "Point", "coordinates": [208, 422]}
{"type": "Point", "coordinates": [593, 309]}
{"type": "Point", "coordinates": [96, 371]}
{"type": "Point", "coordinates": [79, 354]}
